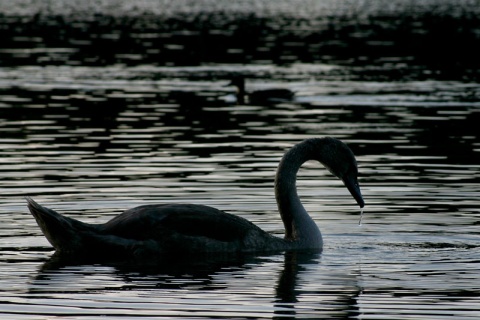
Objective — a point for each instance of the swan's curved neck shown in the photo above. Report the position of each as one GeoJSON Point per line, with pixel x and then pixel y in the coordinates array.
{"type": "Point", "coordinates": [299, 226]}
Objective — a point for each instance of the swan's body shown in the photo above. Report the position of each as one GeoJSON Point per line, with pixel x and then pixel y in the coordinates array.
{"type": "Point", "coordinates": [260, 97]}
{"type": "Point", "coordinates": [151, 230]}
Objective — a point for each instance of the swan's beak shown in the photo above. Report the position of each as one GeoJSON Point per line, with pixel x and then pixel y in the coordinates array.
{"type": "Point", "coordinates": [354, 188]}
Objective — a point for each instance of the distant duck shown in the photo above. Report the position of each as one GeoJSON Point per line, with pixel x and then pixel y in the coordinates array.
{"type": "Point", "coordinates": [260, 97]}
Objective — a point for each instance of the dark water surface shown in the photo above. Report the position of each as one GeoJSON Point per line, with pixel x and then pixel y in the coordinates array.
{"type": "Point", "coordinates": [107, 106]}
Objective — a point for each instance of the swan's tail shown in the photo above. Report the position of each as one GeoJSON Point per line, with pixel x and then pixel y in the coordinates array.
{"type": "Point", "coordinates": [64, 234]}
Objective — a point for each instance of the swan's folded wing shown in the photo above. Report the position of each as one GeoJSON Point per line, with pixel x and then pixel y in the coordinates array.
{"type": "Point", "coordinates": [161, 221]}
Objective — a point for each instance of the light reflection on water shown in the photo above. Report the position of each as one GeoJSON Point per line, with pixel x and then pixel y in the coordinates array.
{"type": "Point", "coordinates": [93, 141]}
{"type": "Point", "coordinates": [417, 246]}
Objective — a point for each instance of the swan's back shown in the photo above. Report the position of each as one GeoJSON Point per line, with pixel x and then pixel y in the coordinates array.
{"type": "Point", "coordinates": [188, 228]}
{"type": "Point", "coordinates": [164, 221]}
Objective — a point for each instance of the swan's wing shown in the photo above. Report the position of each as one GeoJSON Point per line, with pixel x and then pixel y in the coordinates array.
{"type": "Point", "coordinates": [160, 222]}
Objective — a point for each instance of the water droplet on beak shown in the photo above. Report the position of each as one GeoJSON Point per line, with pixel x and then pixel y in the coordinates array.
{"type": "Point", "coordinates": [361, 217]}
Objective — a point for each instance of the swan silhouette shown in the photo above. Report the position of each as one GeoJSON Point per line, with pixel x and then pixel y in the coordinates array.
{"type": "Point", "coordinates": [152, 230]}
{"type": "Point", "coordinates": [260, 97]}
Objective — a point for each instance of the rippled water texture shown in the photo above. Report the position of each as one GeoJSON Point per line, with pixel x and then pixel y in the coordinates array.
{"type": "Point", "coordinates": [108, 105]}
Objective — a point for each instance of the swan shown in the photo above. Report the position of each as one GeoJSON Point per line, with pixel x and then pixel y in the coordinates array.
{"type": "Point", "coordinates": [260, 97]}
{"type": "Point", "coordinates": [153, 230]}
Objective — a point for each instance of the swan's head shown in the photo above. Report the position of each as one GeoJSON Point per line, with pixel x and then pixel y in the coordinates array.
{"type": "Point", "coordinates": [351, 182]}
{"type": "Point", "coordinates": [337, 157]}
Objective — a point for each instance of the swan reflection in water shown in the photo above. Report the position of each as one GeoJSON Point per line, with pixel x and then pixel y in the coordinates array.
{"type": "Point", "coordinates": [289, 274]}
{"type": "Point", "coordinates": [150, 231]}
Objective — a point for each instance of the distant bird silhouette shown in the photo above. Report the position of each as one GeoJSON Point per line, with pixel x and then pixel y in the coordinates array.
{"type": "Point", "coordinates": [148, 231]}
{"type": "Point", "coordinates": [260, 97]}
